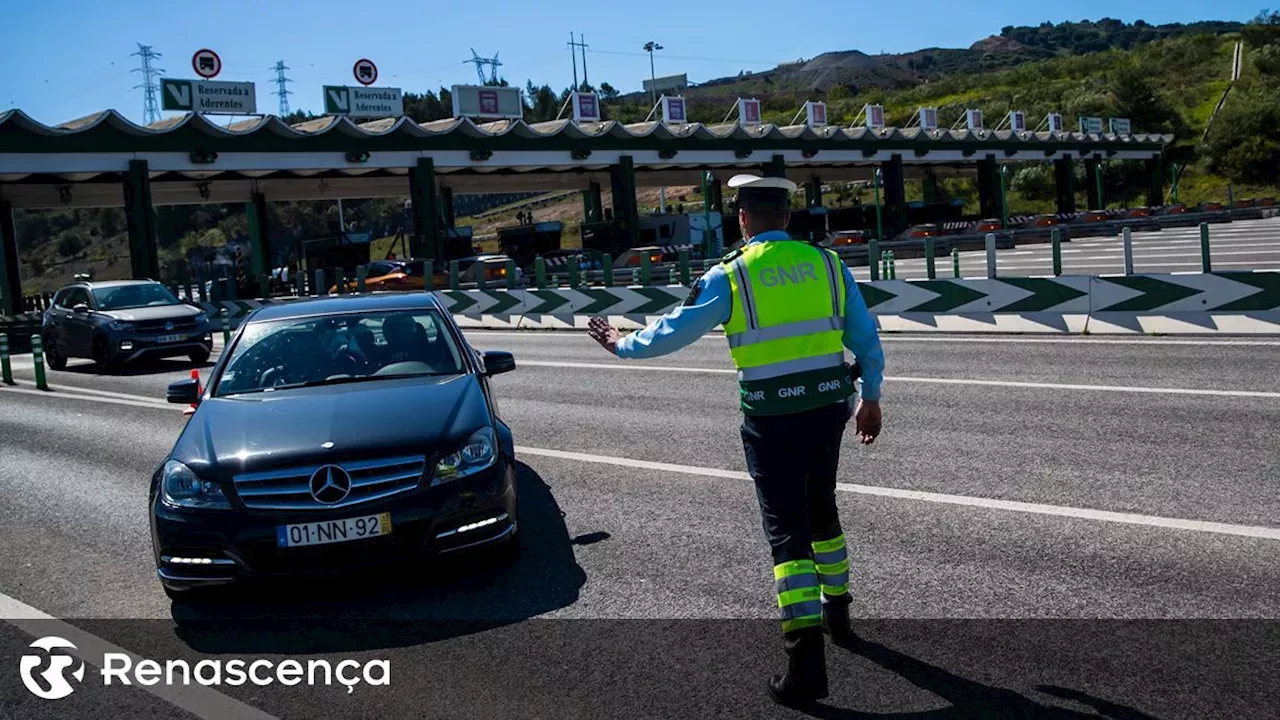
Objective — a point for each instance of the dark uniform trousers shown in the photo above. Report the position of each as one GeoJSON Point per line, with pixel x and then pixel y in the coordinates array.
{"type": "Point", "coordinates": [793, 460]}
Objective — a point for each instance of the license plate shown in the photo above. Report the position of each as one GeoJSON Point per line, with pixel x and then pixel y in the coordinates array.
{"type": "Point", "coordinates": [333, 531]}
{"type": "Point", "coordinates": [171, 338]}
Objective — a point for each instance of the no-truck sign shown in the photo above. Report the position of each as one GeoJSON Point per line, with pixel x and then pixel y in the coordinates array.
{"type": "Point", "coordinates": [365, 71]}
{"type": "Point", "coordinates": [206, 63]}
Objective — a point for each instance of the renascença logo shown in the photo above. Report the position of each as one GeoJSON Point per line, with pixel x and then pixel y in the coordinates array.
{"type": "Point", "coordinates": [55, 685]}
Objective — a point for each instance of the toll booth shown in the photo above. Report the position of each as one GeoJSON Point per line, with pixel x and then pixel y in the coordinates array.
{"type": "Point", "coordinates": [918, 213]}
{"type": "Point", "coordinates": [526, 242]}
{"type": "Point", "coordinates": [809, 224]}
{"type": "Point", "coordinates": [458, 244]}
{"type": "Point", "coordinates": [607, 237]}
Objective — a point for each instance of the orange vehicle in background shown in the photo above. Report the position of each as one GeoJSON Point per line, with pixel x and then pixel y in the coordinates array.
{"type": "Point", "coordinates": [384, 275]}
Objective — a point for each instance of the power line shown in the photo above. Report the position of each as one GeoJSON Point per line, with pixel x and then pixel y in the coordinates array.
{"type": "Point", "coordinates": [573, 46]}
{"type": "Point", "coordinates": [150, 108]}
{"type": "Point", "coordinates": [480, 62]}
{"type": "Point", "coordinates": [282, 91]}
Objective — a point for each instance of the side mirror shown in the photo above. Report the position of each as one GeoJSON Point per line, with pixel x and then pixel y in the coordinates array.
{"type": "Point", "coordinates": [183, 392]}
{"type": "Point", "coordinates": [80, 308]}
{"type": "Point", "coordinates": [497, 362]}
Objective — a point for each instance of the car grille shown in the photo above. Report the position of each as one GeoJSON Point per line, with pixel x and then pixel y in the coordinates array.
{"type": "Point", "coordinates": [290, 488]}
{"type": "Point", "coordinates": [158, 326]}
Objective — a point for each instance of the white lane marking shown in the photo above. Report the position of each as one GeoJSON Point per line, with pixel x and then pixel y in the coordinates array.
{"type": "Point", "coordinates": [201, 701]}
{"type": "Point", "coordinates": [580, 335]}
{"type": "Point", "coordinates": [1254, 531]}
{"type": "Point", "coordinates": [136, 401]}
{"type": "Point", "coordinates": [939, 381]}
{"type": "Point", "coordinates": [89, 391]}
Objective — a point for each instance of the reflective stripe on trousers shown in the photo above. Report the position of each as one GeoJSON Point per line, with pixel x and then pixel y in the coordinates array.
{"type": "Point", "coordinates": [799, 596]}
{"type": "Point", "coordinates": [831, 559]}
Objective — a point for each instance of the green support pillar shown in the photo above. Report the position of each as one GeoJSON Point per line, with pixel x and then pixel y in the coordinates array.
{"type": "Point", "coordinates": [717, 194]}
{"type": "Point", "coordinates": [10, 278]}
{"type": "Point", "coordinates": [143, 259]}
{"type": "Point", "coordinates": [893, 180]}
{"type": "Point", "coordinates": [1093, 187]}
{"type": "Point", "coordinates": [1064, 179]}
{"type": "Point", "coordinates": [1155, 186]}
{"type": "Point", "coordinates": [929, 187]}
{"type": "Point", "coordinates": [813, 193]}
{"type": "Point", "coordinates": [592, 205]}
{"type": "Point", "coordinates": [622, 181]}
{"type": "Point", "coordinates": [259, 243]}
{"type": "Point", "coordinates": [426, 244]}
{"type": "Point", "coordinates": [446, 207]}
{"type": "Point", "coordinates": [776, 167]}
{"type": "Point", "coordinates": [988, 188]}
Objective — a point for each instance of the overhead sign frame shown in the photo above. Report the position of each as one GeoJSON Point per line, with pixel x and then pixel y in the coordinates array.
{"type": "Point", "coordinates": [586, 107]}
{"type": "Point", "coordinates": [973, 119]}
{"type": "Point", "coordinates": [1119, 126]}
{"type": "Point", "coordinates": [749, 112]}
{"type": "Point", "coordinates": [875, 116]}
{"type": "Point", "coordinates": [816, 113]}
{"type": "Point", "coordinates": [209, 97]}
{"type": "Point", "coordinates": [929, 118]}
{"type": "Point", "coordinates": [363, 101]}
{"type": "Point", "coordinates": [1091, 125]}
{"type": "Point", "coordinates": [488, 102]}
{"type": "Point", "coordinates": [1017, 121]}
{"type": "Point", "coordinates": [206, 63]}
{"type": "Point", "coordinates": [675, 111]}
{"type": "Point", "coordinates": [365, 72]}
{"type": "Point", "coordinates": [1055, 123]}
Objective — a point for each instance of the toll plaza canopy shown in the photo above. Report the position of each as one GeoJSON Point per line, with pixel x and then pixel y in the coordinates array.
{"type": "Point", "coordinates": [107, 160]}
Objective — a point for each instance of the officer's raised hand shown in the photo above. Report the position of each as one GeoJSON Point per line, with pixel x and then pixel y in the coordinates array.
{"type": "Point", "coordinates": [867, 419]}
{"type": "Point", "coordinates": [600, 331]}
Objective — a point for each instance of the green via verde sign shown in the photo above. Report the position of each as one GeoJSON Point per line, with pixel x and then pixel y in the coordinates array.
{"type": "Point", "coordinates": [363, 101]}
{"type": "Point", "coordinates": [209, 97]}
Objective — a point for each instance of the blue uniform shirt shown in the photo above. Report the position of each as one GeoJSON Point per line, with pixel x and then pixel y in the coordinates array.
{"type": "Point", "coordinates": [713, 305]}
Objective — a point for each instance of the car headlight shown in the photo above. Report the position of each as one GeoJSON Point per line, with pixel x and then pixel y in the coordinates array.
{"type": "Point", "coordinates": [119, 325]}
{"type": "Point", "coordinates": [180, 487]}
{"type": "Point", "coordinates": [202, 319]}
{"type": "Point", "coordinates": [479, 453]}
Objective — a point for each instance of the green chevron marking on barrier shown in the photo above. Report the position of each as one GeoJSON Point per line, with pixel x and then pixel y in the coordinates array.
{"type": "Point", "coordinates": [245, 306]}
{"type": "Point", "coordinates": [603, 300]}
{"type": "Point", "coordinates": [659, 301]}
{"type": "Point", "coordinates": [505, 301]}
{"type": "Point", "coordinates": [1267, 298]}
{"type": "Point", "coordinates": [873, 295]}
{"type": "Point", "coordinates": [1048, 293]}
{"type": "Point", "coordinates": [461, 301]}
{"type": "Point", "coordinates": [551, 301]}
{"type": "Point", "coordinates": [951, 295]}
{"type": "Point", "coordinates": [1154, 293]}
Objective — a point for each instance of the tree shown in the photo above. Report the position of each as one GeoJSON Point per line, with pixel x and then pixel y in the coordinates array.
{"type": "Point", "coordinates": [1243, 144]}
{"type": "Point", "coordinates": [608, 92]}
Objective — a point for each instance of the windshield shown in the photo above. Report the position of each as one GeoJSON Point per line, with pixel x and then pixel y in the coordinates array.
{"type": "Point", "coordinates": [336, 349]}
{"type": "Point", "coordinates": [126, 297]}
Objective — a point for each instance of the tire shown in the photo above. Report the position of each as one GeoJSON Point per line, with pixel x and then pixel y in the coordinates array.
{"type": "Point", "coordinates": [199, 357]}
{"type": "Point", "coordinates": [53, 354]}
{"type": "Point", "coordinates": [101, 353]}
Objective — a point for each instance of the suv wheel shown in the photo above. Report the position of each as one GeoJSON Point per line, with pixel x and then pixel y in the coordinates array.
{"type": "Point", "coordinates": [199, 357]}
{"type": "Point", "coordinates": [101, 353]}
{"type": "Point", "coordinates": [53, 354]}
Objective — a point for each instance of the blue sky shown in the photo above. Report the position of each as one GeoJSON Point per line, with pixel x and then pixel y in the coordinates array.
{"type": "Point", "coordinates": [66, 59]}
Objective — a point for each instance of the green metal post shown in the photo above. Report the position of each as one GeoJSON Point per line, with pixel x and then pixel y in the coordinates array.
{"type": "Point", "coordinates": [1004, 196]}
{"type": "Point", "coordinates": [1205, 264]}
{"type": "Point", "coordinates": [873, 258]}
{"type": "Point", "coordinates": [1097, 174]}
{"type": "Point", "coordinates": [428, 275]}
{"type": "Point", "coordinates": [511, 274]}
{"type": "Point", "coordinates": [929, 269]}
{"type": "Point", "coordinates": [481, 281]}
{"type": "Point", "coordinates": [1055, 237]}
{"type": "Point", "coordinates": [453, 275]}
{"type": "Point", "coordinates": [684, 267]}
{"type": "Point", "coordinates": [635, 276]}
{"type": "Point", "coordinates": [1231, 195]}
{"type": "Point", "coordinates": [320, 288]}
{"type": "Point", "coordinates": [37, 357]}
{"type": "Point", "coordinates": [673, 276]}
{"type": "Point", "coordinates": [893, 267]}
{"type": "Point", "coordinates": [646, 269]}
{"type": "Point", "coordinates": [341, 281]}
{"type": "Point", "coordinates": [575, 273]}
{"type": "Point", "coordinates": [540, 272]}
{"type": "Point", "coordinates": [6, 371]}
{"type": "Point", "coordinates": [606, 263]}
{"type": "Point", "coordinates": [230, 284]}
{"type": "Point", "coordinates": [879, 218]}
{"type": "Point", "coordinates": [708, 235]}
{"type": "Point", "coordinates": [1173, 190]}
{"type": "Point", "coordinates": [362, 273]}
{"type": "Point", "coordinates": [226, 329]}
{"type": "Point", "coordinates": [955, 262]}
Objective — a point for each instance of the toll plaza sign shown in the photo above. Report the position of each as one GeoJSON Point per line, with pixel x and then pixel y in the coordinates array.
{"type": "Point", "coordinates": [363, 101]}
{"type": "Point", "coordinates": [209, 97]}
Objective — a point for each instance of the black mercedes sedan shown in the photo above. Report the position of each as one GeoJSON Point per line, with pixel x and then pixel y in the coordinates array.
{"type": "Point", "coordinates": [335, 434]}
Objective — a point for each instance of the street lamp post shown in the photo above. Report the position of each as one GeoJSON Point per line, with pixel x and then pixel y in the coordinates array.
{"type": "Point", "coordinates": [651, 46]}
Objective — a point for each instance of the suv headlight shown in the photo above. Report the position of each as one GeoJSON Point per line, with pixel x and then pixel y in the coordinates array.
{"type": "Point", "coordinates": [202, 319]}
{"type": "Point", "coordinates": [479, 453]}
{"type": "Point", "coordinates": [119, 325]}
{"type": "Point", "coordinates": [180, 487]}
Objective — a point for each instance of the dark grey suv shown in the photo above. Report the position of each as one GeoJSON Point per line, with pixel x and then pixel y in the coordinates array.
{"type": "Point", "coordinates": [116, 322]}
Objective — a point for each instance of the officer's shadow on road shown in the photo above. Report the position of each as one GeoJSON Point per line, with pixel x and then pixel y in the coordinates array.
{"type": "Point", "coordinates": [968, 698]}
{"type": "Point", "coordinates": [434, 600]}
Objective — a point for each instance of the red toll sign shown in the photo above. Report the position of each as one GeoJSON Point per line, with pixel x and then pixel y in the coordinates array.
{"type": "Point", "coordinates": [206, 63]}
{"type": "Point", "coordinates": [365, 71]}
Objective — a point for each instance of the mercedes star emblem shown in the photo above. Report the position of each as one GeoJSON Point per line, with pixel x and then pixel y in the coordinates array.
{"type": "Point", "coordinates": [330, 484]}
{"type": "Point", "coordinates": [168, 325]}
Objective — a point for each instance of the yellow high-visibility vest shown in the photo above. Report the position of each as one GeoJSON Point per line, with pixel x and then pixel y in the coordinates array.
{"type": "Point", "coordinates": [786, 326]}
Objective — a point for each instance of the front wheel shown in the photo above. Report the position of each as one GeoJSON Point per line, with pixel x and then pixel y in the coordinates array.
{"type": "Point", "coordinates": [102, 354]}
{"type": "Point", "coordinates": [199, 357]}
{"type": "Point", "coordinates": [53, 354]}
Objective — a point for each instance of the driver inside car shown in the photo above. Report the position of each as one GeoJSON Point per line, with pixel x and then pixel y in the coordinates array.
{"type": "Point", "coordinates": [405, 339]}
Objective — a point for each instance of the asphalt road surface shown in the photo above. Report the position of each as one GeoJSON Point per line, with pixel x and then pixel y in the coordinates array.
{"type": "Point", "coordinates": [1049, 527]}
{"type": "Point", "coordinates": [1242, 245]}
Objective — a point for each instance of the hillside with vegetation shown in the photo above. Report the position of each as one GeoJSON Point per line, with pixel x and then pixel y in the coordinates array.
{"type": "Point", "coordinates": [1164, 78]}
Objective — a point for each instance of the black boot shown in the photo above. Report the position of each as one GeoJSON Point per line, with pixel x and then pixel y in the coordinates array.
{"type": "Point", "coordinates": [835, 619]}
{"type": "Point", "coordinates": [806, 678]}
